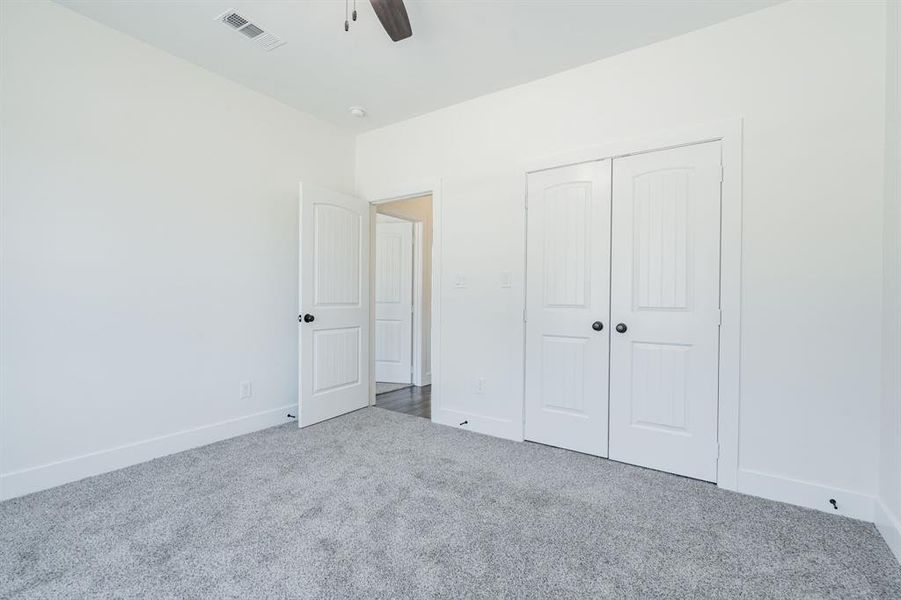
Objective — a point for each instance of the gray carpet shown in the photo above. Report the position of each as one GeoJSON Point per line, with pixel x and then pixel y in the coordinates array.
{"type": "Point", "coordinates": [377, 504]}
{"type": "Point", "coordinates": [382, 387]}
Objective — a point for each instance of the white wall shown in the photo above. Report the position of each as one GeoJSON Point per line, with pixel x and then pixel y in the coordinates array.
{"type": "Point", "coordinates": [807, 78]}
{"type": "Point", "coordinates": [889, 514]}
{"type": "Point", "coordinates": [149, 248]}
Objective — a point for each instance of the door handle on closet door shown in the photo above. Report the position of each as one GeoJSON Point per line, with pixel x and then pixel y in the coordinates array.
{"type": "Point", "coordinates": [621, 328]}
{"type": "Point", "coordinates": [597, 326]}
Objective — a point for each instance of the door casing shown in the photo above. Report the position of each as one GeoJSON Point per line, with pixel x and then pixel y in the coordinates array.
{"type": "Point", "coordinates": [406, 192]}
{"type": "Point", "coordinates": [729, 133]}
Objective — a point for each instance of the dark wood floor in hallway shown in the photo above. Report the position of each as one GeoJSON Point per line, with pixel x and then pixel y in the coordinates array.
{"type": "Point", "coordinates": [413, 400]}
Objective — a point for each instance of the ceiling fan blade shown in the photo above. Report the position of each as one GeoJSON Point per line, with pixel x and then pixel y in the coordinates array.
{"type": "Point", "coordinates": [393, 15]}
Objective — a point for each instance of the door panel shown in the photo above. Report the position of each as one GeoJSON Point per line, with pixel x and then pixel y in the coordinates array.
{"type": "Point", "coordinates": [336, 358]}
{"type": "Point", "coordinates": [665, 290]}
{"type": "Point", "coordinates": [334, 290]}
{"type": "Point", "coordinates": [568, 290]}
{"type": "Point", "coordinates": [562, 373]}
{"type": "Point", "coordinates": [394, 301]}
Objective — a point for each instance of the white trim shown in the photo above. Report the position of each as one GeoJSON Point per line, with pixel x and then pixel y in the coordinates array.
{"type": "Point", "coordinates": [889, 526]}
{"type": "Point", "coordinates": [729, 133]}
{"type": "Point", "coordinates": [806, 493]}
{"type": "Point", "coordinates": [433, 188]}
{"type": "Point", "coordinates": [477, 423]}
{"type": "Point", "coordinates": [640, 144]}
{"type": "Point", "coordinates": [730, 305]}
{"type": "Point", "coordinates": [383, 218]}
{"type": "Point", "coordinates": [34, 479]}
{"type": "Point", "coordinates": [418, 366]}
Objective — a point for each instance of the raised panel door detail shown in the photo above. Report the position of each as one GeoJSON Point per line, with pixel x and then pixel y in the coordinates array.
{"type": "Point", "coordinates": [389, 253]}
{"type": "Point", "coordinates": [563, 373]}
{"type": "Point", "coordinates": [337, 256]}
{"type": "Point", "coordinates": [567, 240]}
{"type": "Point", "coordinates": [661, 236]}
{"type": "Point", "coordinates": [336, 358]}
{"type": "Point", "coordinates": [388, 340]}
{"type": "Point", "coordinates": [659, 386]}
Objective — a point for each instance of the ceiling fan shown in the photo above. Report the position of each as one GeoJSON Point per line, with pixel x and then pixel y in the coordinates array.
{"type": "Point", "coordinates": [391, 13]}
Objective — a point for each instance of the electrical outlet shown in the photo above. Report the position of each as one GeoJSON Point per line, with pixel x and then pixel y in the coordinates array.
{"type": "Point", "coordinates": [246, 389]}
{"type": "Point", "coordinates": [480, 386]}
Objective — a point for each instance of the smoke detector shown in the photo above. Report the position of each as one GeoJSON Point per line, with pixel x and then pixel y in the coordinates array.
{"type": "Point", "coordinates": [259, 36]}
{"type": "Point", "coordinates": [357, 112]}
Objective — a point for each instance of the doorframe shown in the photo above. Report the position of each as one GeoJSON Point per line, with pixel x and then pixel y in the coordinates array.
{"type": "Point", "coordinates": [729, 133]}
{"type": "Point", "coordinates": [431, 187]}
{"type": "Point", "coordinates": [420, 377]}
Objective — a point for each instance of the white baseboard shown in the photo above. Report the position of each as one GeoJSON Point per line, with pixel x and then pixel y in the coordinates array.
{"type": "Point", "coordinates": [807, 494]}
{"type": "Point", "coordinates": [493, 426]}
{"type": "Point", "coordinates": [34, 479]}
{"type": "Point", "coordinates": [889, 526]}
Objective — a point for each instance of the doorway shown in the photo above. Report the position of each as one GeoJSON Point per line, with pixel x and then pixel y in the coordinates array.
{"type": "Point", "coordinates": [401, 273]}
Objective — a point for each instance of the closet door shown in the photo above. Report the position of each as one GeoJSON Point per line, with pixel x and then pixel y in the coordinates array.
{"type": "Point", "coordinates": [567, 307]}
{"type": "Point", "coordinates": [665, 310]}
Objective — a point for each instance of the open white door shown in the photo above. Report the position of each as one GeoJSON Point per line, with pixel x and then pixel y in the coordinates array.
{"type": "Point", "coordinates": [334, 304]}
{"type": "Point", "coordinates": [393, 300]}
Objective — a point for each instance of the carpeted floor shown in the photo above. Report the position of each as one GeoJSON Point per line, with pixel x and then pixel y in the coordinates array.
{"type": "Point", "coordinates": [378, 504]}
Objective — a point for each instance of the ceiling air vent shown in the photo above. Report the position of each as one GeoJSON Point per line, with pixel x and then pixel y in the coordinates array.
{"type": "Point", "coordinates": [257, 34]}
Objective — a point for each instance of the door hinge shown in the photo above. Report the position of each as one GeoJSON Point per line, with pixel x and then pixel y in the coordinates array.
{"type": "Point", "coordinates": [524, 319]}
{"type": "Point", "coordinates": [722, 173]}
{"type": "Point", "coordinates": [719, 318]}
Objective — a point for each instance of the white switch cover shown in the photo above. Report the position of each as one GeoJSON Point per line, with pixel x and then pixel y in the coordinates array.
{"type": "Point", "coordinates": [480, 386]}
{"type": "Point", "coordinates": [246, 389]}
{"type": "Point", "coordinates": [506, 279]}
{"type": "Point", "coordinates": [460, 281]}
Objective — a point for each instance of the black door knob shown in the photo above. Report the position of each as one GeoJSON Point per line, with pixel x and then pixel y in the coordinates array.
{"type": "Point", "coordinates": [308, 318]}
{"type": "Point", "coordinates": [597, 325]}
{"type": "Point", "coordinates": [621, 328]}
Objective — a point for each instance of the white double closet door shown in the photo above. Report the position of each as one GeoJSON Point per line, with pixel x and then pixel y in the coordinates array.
{"type": "Point", "coordinates": [622, 308]}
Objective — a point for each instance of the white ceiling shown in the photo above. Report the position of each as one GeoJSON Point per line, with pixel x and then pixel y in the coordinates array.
{"type": "Point", "coordinates": [460, 49]}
